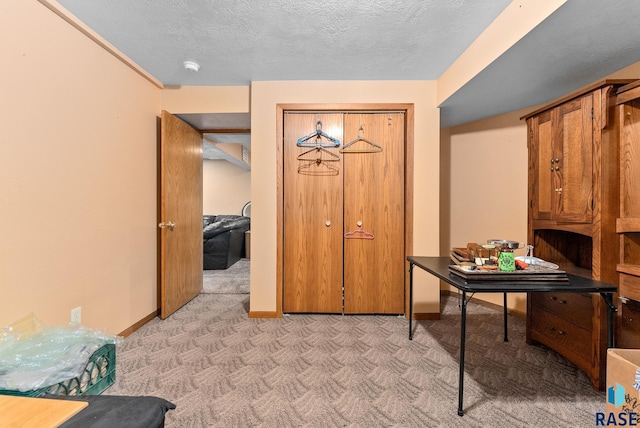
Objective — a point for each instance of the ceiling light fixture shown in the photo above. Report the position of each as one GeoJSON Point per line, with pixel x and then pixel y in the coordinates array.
{"type": "Point", "coordinates": [191, 66]}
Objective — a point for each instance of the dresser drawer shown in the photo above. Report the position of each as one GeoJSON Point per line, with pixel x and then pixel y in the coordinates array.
{"type": "Point", "coordinates": [562, 336]}
{"type": "Point", "coordinates": [629, 286]}
{"type": "Point", "coordinates": [574, 307]}
{"type": "Point", "coordinates": [629, 324]}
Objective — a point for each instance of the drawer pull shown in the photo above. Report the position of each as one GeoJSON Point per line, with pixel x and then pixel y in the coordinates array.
{"type": "Point", "coordinates": [560, 332]}
{"type": "Point", "coordinates": [555, 299]}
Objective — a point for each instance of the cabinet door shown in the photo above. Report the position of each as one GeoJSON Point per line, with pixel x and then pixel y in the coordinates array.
{"type": "Point", "coordinates": [573, 147]}
{"type": "Point", "coordinates": [312, 217]}
{"type": "Point", "coordinates": [374, 195]}
{"type": "Point", "coordinates": [541, 166]}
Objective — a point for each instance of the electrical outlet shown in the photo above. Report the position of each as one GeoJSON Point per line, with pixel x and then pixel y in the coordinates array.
{"type": "Point", "coordinates": [76, 315]}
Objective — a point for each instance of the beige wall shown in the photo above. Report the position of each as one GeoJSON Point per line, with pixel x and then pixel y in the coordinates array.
{"type": "Point", "coordinates": [484, 187]}
{"type": "Point", "coordinates": [226, 187]}
{"type": "Point", "coordinates": [264, 98]}
{"type": "Point", "coordinates": [77, 176]}
{"type": "Point", "coordinates": [206, 99]}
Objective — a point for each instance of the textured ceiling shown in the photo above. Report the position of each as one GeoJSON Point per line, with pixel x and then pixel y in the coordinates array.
{"type": "Point", "coordinates": [240, 41]}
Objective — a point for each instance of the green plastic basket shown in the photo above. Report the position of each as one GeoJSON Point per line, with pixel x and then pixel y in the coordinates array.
{"type": "Point", "coordinates": [98, 375]}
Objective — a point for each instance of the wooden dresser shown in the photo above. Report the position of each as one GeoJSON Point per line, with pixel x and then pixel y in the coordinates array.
{"type": "Point", "coordinates": [573, 205]}
{"type": "Point", "coordinates": [628, 222]}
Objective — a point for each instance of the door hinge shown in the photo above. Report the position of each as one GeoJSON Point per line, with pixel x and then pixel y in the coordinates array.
{"type": "Point", "coordinates": [591, 113]}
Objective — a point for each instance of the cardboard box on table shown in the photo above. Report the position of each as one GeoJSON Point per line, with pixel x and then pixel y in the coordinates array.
{"type": "Point", "coordinates": [623, 369]}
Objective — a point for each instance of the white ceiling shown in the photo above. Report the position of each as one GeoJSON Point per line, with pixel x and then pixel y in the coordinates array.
{"type": "Point", "coordinates": [240, 41]}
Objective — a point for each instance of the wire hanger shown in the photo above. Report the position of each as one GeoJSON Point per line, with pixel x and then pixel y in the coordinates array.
{"type": "Point", "coordinates": [319, 151]}
{"type": "Point", "coordinates": [358, 233]}
{"type": "Point", "coordinates": [318, 167]}
{"type": "Point", "coordinates": [318, 134]}
{"type": "Point", "coordinates": [370, 148]}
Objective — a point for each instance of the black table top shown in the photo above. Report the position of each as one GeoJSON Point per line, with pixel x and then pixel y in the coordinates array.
{"type": "Point", "coordinates": [439, 266]}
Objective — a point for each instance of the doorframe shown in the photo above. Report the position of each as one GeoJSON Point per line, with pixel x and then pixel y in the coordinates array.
{"type": "Point", "coordinates": [408, 109]}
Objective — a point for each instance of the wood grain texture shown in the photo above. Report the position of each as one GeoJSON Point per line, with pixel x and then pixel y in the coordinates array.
{"type": "Point", "coordinates": [630, 161]}
{"type": "Point", "coordinates": [32, 412]}
{"type": "Point", "coordinates": [374, 196]}
{"type": "Point", "coordinates": [628, 222]}
{"type": "Point", "coordinates": [313, 256]}
{"type": "Point", "coordinates": [180, 203]}
{"type": "Point", "coordinates": [573, 146]}
{"type": "Point", "coordinates": [580, 232]}
{"type": "Point", "coordinates": [541, 166]}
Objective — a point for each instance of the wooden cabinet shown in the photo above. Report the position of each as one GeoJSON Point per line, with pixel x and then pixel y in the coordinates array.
{"type": "Point", "coordinates": [562, 161]}
{"type": "Point", "coordinates": [344, 214]}
{"type": "Point", "coordinates": [573, 204]}
{"type": "Point", "coordinates": [628, 222]}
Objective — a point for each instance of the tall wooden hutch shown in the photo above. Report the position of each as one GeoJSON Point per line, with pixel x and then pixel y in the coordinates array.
{"type": "Point", "coordinates": [574, 202]}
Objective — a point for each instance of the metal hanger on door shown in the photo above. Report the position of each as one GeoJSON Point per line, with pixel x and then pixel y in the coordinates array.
{"type": "Point", "coordinates": [370, 146]}
{"type": "Point", "coordinates": [318, 167]}
{"type": "Point", "coordinates": [318, 134]}
{"type": "Point", "coordinates": [319, 151]}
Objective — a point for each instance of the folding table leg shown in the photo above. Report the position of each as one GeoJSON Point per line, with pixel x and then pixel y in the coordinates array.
{"type": "Point", "coordinates": [463, 331]}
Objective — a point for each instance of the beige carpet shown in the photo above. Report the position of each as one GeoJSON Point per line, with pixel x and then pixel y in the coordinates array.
{"type": "Point", "coordinates": [223, 369]}
{"type": "Point", "coordinates": [234, 280]}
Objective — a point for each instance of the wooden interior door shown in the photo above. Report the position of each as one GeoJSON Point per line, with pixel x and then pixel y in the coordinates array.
{"type": "Point", "coordinates": [575, 145]}
{"type": "Point", "coordinates": [374, 197]}
{"type": "Point", "coordinates": [312, 217]}
{"type": "Point", "coordinates": [180, 214]}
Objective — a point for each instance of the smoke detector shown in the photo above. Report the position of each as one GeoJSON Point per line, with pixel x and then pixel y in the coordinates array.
{"type": "Point", "coordinates": [191, 66]}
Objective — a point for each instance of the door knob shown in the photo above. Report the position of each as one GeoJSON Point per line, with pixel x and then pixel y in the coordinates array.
{"type": "Point", "coordinates": [169, 225]}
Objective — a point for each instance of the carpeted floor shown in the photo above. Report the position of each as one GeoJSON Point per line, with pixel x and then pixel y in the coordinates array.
{"type": "Point", "coordinates": [223, 369]}
{"type": "Point", "coordinates": [234, 280]}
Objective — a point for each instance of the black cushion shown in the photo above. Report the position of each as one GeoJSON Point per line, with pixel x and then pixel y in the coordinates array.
{"type": "Point", "coordinates": [223, 240]}
{"type": "Point", "coordinates": [109, 411]}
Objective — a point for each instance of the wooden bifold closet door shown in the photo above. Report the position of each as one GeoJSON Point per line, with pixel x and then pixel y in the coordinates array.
{"type": "Point", "coordinates": [312, 218]}
{"type": "Point", "coordinates": [344, 214]}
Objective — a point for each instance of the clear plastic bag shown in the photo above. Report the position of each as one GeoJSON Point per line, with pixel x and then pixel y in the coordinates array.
{"type": "Point", "coordinates": [33, 355]}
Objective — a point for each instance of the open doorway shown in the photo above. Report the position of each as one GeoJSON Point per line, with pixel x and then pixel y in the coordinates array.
{"type": "Point", "coordinates": [226, 140]}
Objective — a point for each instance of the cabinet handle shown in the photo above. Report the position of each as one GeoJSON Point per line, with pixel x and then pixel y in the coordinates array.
{"type": "Point", "coordinates": [554, 297]}
{"type": "Point", "coordinates": [561, 333]}
{"type": "Point", "coordinates": [557, 160]}
{"type": "Point", "coordinates": [557, 168]}
{"type": "Point", "coordinates": [552, 161]}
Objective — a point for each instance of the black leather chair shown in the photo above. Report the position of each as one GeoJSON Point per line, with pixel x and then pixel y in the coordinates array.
{"type": "Point", "coordinates": [223, 240]}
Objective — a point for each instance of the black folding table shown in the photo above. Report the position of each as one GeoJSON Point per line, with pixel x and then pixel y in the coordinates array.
{"type": "Point", "coordinates": [439, 266]}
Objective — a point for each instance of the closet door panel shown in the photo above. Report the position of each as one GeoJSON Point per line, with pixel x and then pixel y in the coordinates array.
{"type": "Point", "coordinates": [374, 195]}
{"type": "Point", "coordinates": [312, 218]}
